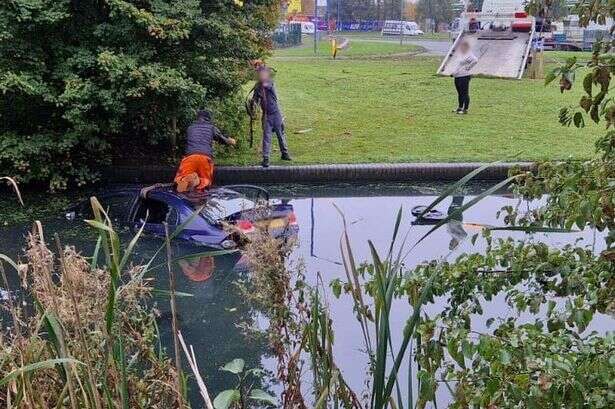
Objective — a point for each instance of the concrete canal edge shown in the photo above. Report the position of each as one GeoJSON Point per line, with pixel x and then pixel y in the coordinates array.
{"type": "Point", "coordinates": [375, 172]}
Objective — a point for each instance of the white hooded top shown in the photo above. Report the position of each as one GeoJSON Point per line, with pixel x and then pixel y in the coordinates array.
{"type": "Point", "coordinates": [465, 64]}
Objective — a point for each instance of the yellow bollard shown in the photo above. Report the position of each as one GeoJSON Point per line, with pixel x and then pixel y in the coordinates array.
{"type": "Point", "coordinates": [334, 47]}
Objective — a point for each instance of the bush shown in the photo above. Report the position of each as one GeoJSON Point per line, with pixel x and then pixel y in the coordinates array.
{"type": "Point", "coordinates": [76, 76]}
{"type": "Point", "coordinates": [229, 115]}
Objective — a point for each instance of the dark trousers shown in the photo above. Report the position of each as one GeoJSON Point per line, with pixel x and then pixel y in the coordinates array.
{"type": "Point", "coordinates": [273, 123]}
{"type": "Point", "coordinates": [462, 84]}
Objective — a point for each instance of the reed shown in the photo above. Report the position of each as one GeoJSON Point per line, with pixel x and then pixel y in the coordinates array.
{"type": "Point", "coordinates": [374, 286]}
{"type": "Point", "coordinates": [60, 348]}
{"type": "Point", "coordinates": [13, 183]}
{"type": "Point", "coordinates": [276, 289]}
{"type": "Point", "coordinates": [330, 387]}
{"type": "Point", "coordinates": [301, 325]}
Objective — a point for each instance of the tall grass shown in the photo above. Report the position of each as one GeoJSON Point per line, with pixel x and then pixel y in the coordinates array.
{"type": "Point", "coordinates": [59, 348]}
{"type": "Point", "coordinates": [330, 387]}
{"type": "Point", "coordinates": [277, 291]}
{"type": "Point", "coordinates": [66, 350]}
{"type": "Point", "coordinates": [300, 318]}
{"type": "Point", "coordinates": [82, 355]}
{"type": "Point", "coordinates": [13, 183]}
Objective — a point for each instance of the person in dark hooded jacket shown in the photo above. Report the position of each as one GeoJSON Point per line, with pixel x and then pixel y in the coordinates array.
{"type": "Point", "coordinates": [196, 169]}
{"type": "Point", "coordinates": [272, 121]}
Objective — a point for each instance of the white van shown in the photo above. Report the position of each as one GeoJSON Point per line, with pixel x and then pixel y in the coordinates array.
{"type": "Point", "coordinates": [392, 27]}
{"type": "Point", "coordinates": [307, 27]}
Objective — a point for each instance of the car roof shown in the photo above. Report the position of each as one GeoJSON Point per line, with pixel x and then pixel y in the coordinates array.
{"type": "Point", "coordinates": [168, 193]}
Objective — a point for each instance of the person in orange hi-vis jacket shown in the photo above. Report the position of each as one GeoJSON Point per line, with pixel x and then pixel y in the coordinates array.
{"type": "Point", "coordinates": [196, 170]}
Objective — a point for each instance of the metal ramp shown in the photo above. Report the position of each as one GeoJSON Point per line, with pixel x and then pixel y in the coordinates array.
{"type": "Point", "coordinates": [496, 38]}
{"type": "Point", "coordinates": [500, 54]}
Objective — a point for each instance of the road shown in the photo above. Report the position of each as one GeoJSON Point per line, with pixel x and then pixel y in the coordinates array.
{"type": "Point", "coordinates": [432, 47]}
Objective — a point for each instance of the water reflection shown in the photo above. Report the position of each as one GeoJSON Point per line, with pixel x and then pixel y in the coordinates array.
{"type": "Point", "coordinates": [198, 270]}
{"type": "Point", "coordinates": [212, 318]}
{"type": "Point", "coordinates": [373, 218]}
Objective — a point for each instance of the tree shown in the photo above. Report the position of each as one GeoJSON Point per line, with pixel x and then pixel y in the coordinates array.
{"type": "Point", "coordinates": [352, 10]}
{"type": "Point", "coordinates": [358, 10]}
{"type": "Point", "coordinates": [392, 9]}
{"type": "Point", "coordinates": [410, 12]}
{"type": "Point", "coordinates": [78, 77]}
{"type": "Point", "coordinates": [548, 9]}
{"type": "Point", "coordinates": [440, 11]}
{"type": "Point", "coordinates": [477, 4]}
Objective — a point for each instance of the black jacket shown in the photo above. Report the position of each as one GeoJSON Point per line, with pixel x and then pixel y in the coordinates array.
{"type": "Point", "coordinates": [200, 138]}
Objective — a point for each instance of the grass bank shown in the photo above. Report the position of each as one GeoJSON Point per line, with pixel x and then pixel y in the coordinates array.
{"type": "Point", "coordinates": [396, 109]}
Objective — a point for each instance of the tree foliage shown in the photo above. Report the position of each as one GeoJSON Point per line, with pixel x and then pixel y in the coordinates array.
{"type": "Point", "coordinates": [360, 10]}
{"type": "Point", "coordinates": [582, 193]}
{"type": "Point", "coordinates": [549, 360]}
{"type": "Point", "coordinates": [548, 9]}
{"type": "Point", "coordinates": [76, 76]}
{"type": "Point", "coordinates": [440, 11]}
{"type": "Point", "coordinates": [352, 10]}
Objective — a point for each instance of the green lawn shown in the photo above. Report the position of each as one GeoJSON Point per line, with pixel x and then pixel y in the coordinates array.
{"type": "Point", "coordinates": [562, 56]}
{"type": "Point", "coordinates": [398, 110]}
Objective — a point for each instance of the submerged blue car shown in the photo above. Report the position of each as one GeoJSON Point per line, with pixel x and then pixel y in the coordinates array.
{"type": "Point", "coordinates": [227, 216]}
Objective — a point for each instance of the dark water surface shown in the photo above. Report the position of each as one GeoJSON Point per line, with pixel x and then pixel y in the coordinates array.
{"type": "Point", "coordinates": [211, 320]}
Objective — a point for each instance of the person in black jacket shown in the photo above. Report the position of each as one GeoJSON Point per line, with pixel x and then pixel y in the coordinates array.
{"type": "Point", "coordinates": [196, 169]}
{"type": "Point", "coordinates": [266, 97]}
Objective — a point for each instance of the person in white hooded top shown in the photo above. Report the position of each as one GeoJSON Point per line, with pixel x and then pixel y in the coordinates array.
{"type": "Point", "coordinates": [462, 76]}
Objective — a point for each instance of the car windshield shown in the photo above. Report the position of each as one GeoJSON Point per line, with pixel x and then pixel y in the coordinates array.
{"type": "Point", "coordinates": [218, 209]}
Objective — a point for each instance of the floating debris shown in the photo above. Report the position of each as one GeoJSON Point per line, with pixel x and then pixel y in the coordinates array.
{"type": "Point", "coordinates": [4, 295]}
{"type": "Point", "coordinates": [433, 214]}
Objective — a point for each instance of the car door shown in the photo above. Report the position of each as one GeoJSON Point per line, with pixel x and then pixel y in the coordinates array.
{"type": "Point", "coordinates": [151, 213]}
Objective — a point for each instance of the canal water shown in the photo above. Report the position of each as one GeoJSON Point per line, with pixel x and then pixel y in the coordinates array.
{"type": "Point", "coordinates": [213, 320]}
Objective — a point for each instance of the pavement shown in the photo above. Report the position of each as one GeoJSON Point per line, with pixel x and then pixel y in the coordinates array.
{"type": "Point", "coordinates": [432, 47]}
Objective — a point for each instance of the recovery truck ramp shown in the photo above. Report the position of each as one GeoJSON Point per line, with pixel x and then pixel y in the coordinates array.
{"type": "Point", "coordinates": [500, 36]}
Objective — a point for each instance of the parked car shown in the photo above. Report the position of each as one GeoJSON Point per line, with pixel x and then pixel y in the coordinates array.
{"type": "Point", "coordinates": [307, 27]}
{"type": "Point", "coordinates": [227, 216]}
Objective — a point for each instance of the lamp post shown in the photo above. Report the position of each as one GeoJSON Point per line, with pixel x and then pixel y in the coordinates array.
{"type": "Point", "coordinates": [338, 14]}
{"type": "Point", "coordinates": [315, 27]}
{"type": "Point", "coordinates": [401, 22]}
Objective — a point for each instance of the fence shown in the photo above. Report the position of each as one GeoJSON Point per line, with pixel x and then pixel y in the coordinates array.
{"type": "Point", "coordinates": [369, 25]}
{"type": "Point", "coordinates": [287, 35]}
